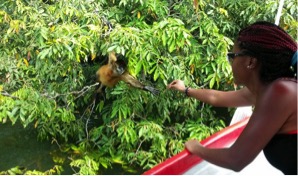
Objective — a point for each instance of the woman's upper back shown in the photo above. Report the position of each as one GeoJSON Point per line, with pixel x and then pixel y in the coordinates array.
{"type": "Point", "coordinates": [285, 89]}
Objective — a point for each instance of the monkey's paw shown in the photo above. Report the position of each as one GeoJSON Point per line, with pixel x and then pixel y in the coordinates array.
{"type": "Point", "coordinates": [152, 90]}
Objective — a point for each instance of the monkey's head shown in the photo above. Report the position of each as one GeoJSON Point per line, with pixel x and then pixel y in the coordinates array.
{"type": "Point", "coordinates": [117, 63]}
{"type": "Point", "coordinates": [118, 68]}
{"type": "Point", "coordinates": [120, 65]}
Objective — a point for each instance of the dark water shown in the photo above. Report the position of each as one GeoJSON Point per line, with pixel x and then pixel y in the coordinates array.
{"type": "Point", "coordinates": [19, 147]}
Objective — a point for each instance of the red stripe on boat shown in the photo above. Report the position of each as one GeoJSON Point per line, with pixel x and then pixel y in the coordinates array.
{"type": "Point", "coordinates": [293, 132]}
{"type": "Point", "coordinates": [184, 160]}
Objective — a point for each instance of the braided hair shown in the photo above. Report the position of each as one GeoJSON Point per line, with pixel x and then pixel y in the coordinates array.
{"type": "Point", "coordinates": [272, 47]}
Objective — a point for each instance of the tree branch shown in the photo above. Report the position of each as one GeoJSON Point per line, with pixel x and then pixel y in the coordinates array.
{"type": "Point", "coordinates": [4, 93]}
{"type": "Point", "coordinates": [79, 93]}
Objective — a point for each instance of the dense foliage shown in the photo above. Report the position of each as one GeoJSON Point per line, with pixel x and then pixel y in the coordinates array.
{"type": "Point", "coordinates": [51, 49]}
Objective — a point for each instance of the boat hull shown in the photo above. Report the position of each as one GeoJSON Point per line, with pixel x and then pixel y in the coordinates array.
{"type": "Point", "coordinates": [188, 164]}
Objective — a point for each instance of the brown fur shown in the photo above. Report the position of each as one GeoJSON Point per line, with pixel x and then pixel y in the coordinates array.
{"type": "Point", "coordinates": [110, 74]}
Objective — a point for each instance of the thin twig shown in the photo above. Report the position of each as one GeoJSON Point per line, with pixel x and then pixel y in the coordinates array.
{"type": "Point", "coordinates": [86, 128]}
{"type": "Point", "coordinates": [92, 105]}
{"type": "Point", "coordinates": [80, 93]}
{"type": "Point", "coordinates": [4, 93]}
{"type": "Point", "coordinates": [140, 146]}
{"type": "Point", "coordinates": [55, 140]}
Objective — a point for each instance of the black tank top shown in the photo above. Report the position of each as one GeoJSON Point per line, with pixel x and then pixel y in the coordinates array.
{"type": "Point", "coordinates": [281, 152]}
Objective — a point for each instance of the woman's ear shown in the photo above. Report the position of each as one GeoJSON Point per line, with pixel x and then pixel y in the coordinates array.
{"type": "Point", "coordinates": [252, 63]}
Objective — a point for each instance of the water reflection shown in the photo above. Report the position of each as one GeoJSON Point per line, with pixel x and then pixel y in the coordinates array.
{"type": "Point", "coordinates": [19, 147]}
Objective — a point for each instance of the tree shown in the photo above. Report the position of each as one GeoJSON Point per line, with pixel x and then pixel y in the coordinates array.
{"type": "Point", "coordinates": [50, 51]}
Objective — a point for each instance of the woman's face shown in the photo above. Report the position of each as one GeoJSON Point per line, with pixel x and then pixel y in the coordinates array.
{"type": "Point", "coordinates": [239, 65]}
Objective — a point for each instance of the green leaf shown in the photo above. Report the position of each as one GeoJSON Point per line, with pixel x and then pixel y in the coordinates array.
{"type": "Point", "coordinates": [156, 75]}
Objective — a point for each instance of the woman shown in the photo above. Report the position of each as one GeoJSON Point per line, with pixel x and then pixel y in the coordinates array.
{"type": "Point", "coordinates": [264, 61]}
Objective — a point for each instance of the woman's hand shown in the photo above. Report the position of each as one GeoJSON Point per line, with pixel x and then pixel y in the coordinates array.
{"type": "Point", "coordinates": [177, 85]}
{"type": "Point", "coordinates": [193, 146]}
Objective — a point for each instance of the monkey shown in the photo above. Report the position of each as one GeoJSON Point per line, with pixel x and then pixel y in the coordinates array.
{"type": "Point", "coordinates": [114, 71]}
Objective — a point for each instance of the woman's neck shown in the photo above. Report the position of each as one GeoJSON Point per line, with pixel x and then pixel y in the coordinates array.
{"type": "Point", "coordinates": [256, 86]}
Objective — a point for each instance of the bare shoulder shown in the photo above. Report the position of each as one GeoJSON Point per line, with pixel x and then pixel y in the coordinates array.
{"type": "Point", "coordinates": [280, 93]}
{"type": "Point", "coordinates": [283, 87]}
